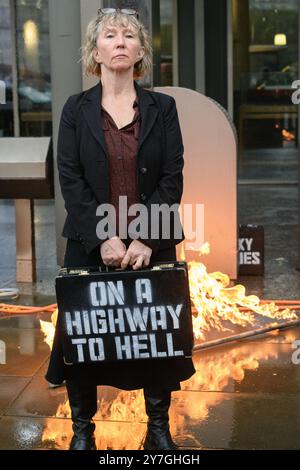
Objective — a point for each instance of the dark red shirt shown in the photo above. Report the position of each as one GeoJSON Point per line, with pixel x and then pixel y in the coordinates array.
{"type": "Point", "coordinates": [122, 149]}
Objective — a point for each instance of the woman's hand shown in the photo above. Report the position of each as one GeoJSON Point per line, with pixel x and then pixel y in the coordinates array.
{"type": "Point", "coordinates": [112, 252]}
{"type": "Point", "coordinates": [138, 255]}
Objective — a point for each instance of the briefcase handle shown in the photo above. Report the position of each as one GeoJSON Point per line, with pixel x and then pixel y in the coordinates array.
{"type": "Point", "coordinates": [155, 265]}
{"type": "Point", "coordinates": [107, 269]}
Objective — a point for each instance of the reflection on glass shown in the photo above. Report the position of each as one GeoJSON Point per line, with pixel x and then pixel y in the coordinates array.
{"type": "Point", "coordinates": [166, 34]}
{"type": "Point", "coordinates": [266, 64]}
{"type": "Point", "coordinates": [33, 58]}
{"type": "Point", "coordinates": [6, 110]}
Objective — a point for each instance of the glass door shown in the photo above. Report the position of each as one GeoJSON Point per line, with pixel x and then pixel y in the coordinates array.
{"type": "Point", "coordinates": [25, 68]}
{"type": "Point", "coordinates": [265, 66]}
{"type": "Point", "coordinates": [6, 102]}
{"type": "Point", "coordinates": [33, 65]}
{"type": "Point", "coordinates": [167, 46]}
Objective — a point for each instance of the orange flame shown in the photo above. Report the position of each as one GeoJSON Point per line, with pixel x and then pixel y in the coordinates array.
{"type": "Point", "coordinates": [48, 328]}
{"type": "Point", "coordinates": [215, 373]}
{"type": "Point", "coordinates": [288, 136]}
{"type": "Point", "coordinates": [215, 301]}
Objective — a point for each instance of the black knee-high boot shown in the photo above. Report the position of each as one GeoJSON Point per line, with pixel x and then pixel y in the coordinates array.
{"type": "Point", "coordinates": [158, 433]}
{"type": "Point", "coordinates": [83, 404]}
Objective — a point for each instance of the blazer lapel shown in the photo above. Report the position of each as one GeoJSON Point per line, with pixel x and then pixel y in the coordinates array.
{"type": "Point", "coordinates": [92, 112]}
{"type": "Point", "coordinates": [148, 112]}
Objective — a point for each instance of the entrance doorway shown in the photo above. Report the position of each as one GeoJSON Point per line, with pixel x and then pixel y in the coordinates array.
{"type": "Point", "coordinates": [265, 65]}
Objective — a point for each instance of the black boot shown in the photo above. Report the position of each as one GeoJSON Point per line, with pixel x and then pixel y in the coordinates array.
{"type": "Point", "coordinates": [83, 404]}
{"type": "Point", "coordinates": [158, 433]}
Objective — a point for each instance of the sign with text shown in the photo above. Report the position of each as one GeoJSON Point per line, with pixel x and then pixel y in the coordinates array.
{"type": "Point", "coordinates": [125, 315]}
{"type": "Point", "coordinates": [251, 250]}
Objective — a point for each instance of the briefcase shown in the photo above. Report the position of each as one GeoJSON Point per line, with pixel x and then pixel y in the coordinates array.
{"type": "Point", "coordinates": [124, 315]}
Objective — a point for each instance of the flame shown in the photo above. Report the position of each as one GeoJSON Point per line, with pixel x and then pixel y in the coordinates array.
{"type": "Point", "coordinates": [216, 370]}
{"type": "Point", "coordinates": [63, 410]}
{"type": "Point", "coordinates": [48, 328]}
{"type": "Point", "coordinates": [216, 302]}
{"type": "Point", "coordinates": [288, 136]}
{"type": "Point", "coordinates": [128, 406]}
{"type": "Point", "coordinates": [56, 434]}
{"type": "Point", "coordinates": [215, 373]}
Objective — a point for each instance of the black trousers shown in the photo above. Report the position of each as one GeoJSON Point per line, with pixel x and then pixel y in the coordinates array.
{"type": "Point", "coordinates": [164, 374]}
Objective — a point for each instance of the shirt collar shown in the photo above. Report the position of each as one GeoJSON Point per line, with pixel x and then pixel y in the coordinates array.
{"type": "Point", "coordinates": [106, 115]}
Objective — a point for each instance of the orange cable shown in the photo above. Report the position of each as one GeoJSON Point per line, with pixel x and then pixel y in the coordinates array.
{"type": "Point", "coordinates": [26, 309]}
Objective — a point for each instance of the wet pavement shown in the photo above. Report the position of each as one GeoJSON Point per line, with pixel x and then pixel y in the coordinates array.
{"type": "Point", "coordinates": [244, 395]}
{"type": "Point", "coordinates": [279, 164]}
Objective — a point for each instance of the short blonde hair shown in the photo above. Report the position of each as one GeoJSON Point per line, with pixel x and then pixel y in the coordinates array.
{"type": "Point", "coordinates": [117, 18]}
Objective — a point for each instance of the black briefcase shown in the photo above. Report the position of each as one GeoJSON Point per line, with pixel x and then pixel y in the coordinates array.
{"type": "Point", "coordinates": [116, 315]}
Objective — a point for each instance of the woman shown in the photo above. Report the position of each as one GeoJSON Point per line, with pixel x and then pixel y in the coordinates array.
{"type": "Point", "coordinates": [118, 139]}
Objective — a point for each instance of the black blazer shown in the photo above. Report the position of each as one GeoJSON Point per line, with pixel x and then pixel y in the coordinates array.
{"type": "Point", "coordinates": [83, 162]}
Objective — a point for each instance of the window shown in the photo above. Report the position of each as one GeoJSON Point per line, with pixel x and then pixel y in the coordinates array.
{"type": "Point", "coordinates": [166, 34]}
{"type": "Point", "coordinates": [6, 108]}
{"type": "Point", "coordinates": [265, 66]}
{"type": "Point", "coordinates": [33, 62]}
